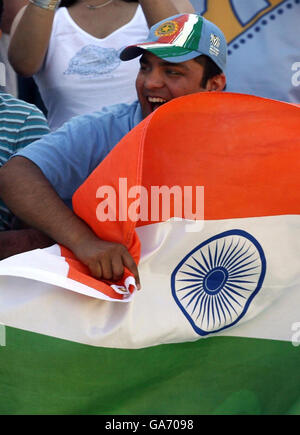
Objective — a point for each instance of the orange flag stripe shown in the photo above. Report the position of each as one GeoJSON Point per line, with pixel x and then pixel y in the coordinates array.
{"type": "Point", "coordinates": [244, 150]}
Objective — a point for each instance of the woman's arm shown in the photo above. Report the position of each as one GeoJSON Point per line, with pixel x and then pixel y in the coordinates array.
{"type": "Point", "coordinates": [184, 6]}
{"type": "Point", "coordinates": [10, 10]}
{"type": "Point", "coordinates": [157, 10]}
{"type": "Point", "coordinates": [32, 28]}
{"type": "Point", "coordinates": [30, 37]}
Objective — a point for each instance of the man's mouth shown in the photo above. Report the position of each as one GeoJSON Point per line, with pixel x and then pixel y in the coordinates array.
{"type": "Point", "coordinates": [156, 102]}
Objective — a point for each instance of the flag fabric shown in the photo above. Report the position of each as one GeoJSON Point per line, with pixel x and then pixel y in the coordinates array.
{"type": "Point", "coordinates": [215, 327]}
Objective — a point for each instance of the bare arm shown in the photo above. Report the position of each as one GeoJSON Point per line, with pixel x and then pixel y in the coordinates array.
{"type": "Point", "coordinates": [18, 241]}
{"type": "Point", "coordinates": [31, 33]}
{"type": "Point", "coordinates": [184, 6]}
{"type": "Point", "coordinates": [28, 194]}
{"type": "Point", "coordinates": [10, 10]}
{"type": "Point", "coordinates": [157, 10]}
{"type": "Point", "coordinates": [32, 28]}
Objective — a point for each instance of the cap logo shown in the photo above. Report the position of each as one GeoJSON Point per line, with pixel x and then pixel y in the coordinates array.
{"type": "Point", "coordinates": [215, 43]}
{"type": "Point", "coordinates": [168, 28]}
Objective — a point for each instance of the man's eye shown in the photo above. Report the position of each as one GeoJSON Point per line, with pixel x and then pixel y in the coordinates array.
{"type": "Point", "coordinates": [173, 72]}
{"type": "Point", "coordinates": [143, 67]}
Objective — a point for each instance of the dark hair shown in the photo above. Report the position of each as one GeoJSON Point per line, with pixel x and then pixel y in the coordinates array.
{"type": "Point", "coordinates": [211, 69]}
{"type": "Point", "coordinates": [1, 9]}
{"type": "Point", "coordinates": [67, 3]}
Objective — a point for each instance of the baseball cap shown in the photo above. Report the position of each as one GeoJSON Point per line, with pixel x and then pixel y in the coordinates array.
{"type": "Point", "coordinates": [180, 38]}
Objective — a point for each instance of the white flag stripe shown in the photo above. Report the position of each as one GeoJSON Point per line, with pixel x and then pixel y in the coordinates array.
{"type": "Point", "coordinates": [151, 46]}
{"type": "Point", "coordinates": [186, 30]}
{"type": "Point", "coordinates": [46, 265]}
{"type": "Point", "coordinates": [153, 316]}
{"type": "Point", "coordinates": [180, 38]}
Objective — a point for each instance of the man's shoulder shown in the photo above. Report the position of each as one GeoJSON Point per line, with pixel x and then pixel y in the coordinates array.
{"type": "Point", "coordinates": [19, 116]}
{"type": "Point", "coordinates": [110, 124]}
{"type": "Point", "coordinates": [124, 113]}
{"type": "Point", "coordinates": [121, 109]}
{"type": "Point", "coordinates": [13, 105]}
{"type": "Point", "coordinates": [21, 123]}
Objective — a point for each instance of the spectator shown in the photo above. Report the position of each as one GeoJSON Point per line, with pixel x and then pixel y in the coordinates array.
{"type": "Point", "coordinates": [20, 124]}
{"type": "Point", "coordinates": [60, 163]}
{"type": "Point", "coordinates": [20, 87]}
{"type": "Point", "coordinates": [73, 54]}
{"type": "Point", "coordinates": [10, 9]}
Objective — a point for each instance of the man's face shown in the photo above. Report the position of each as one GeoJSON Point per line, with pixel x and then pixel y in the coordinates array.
{"type": "Point", "coordinates": [159, 81]}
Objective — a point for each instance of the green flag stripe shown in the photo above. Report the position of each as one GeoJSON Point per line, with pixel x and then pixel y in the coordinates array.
{"type": "Point", "coordinates": [192, 41]}
{"type": "Point", "coordinates": [219, 375]}
{"type": "Point", "coordinates": [170, 51]}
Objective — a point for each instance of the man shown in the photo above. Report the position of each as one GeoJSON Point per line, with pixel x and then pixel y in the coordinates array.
{"type": "Point", "coordinates": [20, 124]}
{"type": "Point", "coordinates": [184, 54]}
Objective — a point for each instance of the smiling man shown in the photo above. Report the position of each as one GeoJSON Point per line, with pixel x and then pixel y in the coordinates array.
{"type": "Point", "coordinates": [184, 54]}
{"type": "Point", "coordinates": [160, 81]}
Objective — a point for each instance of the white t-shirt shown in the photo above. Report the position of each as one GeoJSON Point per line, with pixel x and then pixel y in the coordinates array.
{"type": "Point", "coordinates": [81, 73]}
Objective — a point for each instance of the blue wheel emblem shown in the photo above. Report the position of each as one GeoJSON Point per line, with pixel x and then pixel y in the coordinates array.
{"type": "Point", "coordinates": [216, 282]}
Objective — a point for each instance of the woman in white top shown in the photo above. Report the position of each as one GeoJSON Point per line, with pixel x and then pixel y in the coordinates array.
{"type": "Point", "coordinates": [73, 53]}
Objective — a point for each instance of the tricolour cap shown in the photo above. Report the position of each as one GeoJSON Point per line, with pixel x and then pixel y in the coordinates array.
{"type": "Point", "coordinates": [180, 38]}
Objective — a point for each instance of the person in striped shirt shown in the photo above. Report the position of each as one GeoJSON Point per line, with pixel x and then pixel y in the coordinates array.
{"type": "Point", "coordinates": [21, 123]}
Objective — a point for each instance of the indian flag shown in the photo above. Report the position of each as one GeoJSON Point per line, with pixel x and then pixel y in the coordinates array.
{"type": "Point", "coordinates": [216, 326]}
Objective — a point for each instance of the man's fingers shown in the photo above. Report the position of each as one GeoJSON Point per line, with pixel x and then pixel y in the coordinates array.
{"type": "Point", "coordinates": [129, 262]}
{"type": "Point", "coordinates": [117, 267]}
{"type": "Point", "coordinates": [96, 269]}
{"type": "Point", "coordinates": [106, 266]}
{"type": "Point", "coordinates": [107, 261]}
{"type": "Point", "coordinates": [110, 269]}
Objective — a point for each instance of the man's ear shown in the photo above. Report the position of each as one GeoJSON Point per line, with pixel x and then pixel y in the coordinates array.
{"type": "Point", "coordinates": [216, 83]}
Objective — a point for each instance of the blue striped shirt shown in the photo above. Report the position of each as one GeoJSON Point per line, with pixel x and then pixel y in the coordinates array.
{"type": "Point", "coordinates": [21, 123]}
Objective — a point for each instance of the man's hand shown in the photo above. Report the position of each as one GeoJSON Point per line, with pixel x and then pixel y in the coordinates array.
{"type": "Point", "coordinates": [106, 260]}
{"type": "Point", "coordinates": [29, 195]}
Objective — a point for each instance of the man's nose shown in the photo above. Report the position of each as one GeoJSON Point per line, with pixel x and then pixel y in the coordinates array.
{"type": "Point", "coordinates": [154, 79]}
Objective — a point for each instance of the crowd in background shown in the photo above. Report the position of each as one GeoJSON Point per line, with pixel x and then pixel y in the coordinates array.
{"type": "Point", "coordinates": [263, 58]}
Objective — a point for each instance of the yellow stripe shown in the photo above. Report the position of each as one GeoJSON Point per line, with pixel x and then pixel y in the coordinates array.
{"type": "Point", "coordinates": [222, 14]}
